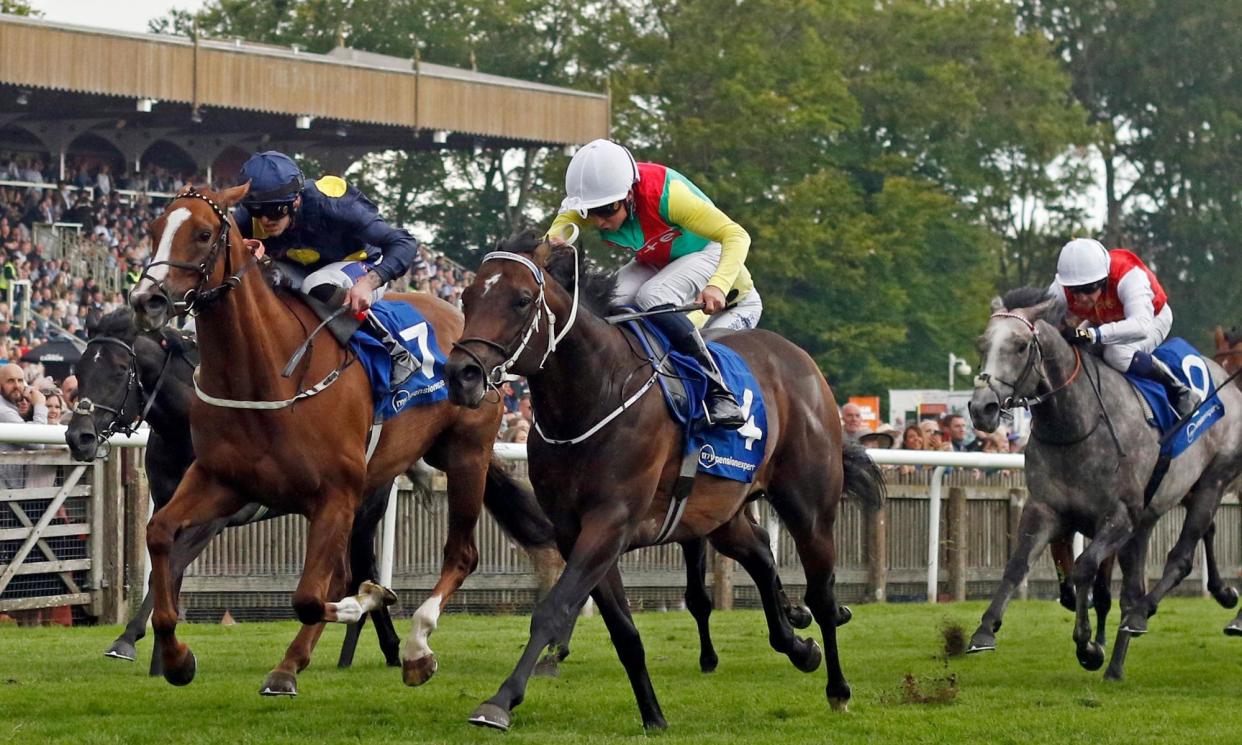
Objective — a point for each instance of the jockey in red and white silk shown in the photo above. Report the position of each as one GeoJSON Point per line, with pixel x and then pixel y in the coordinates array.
{"type": "Point", "coordinates": [1114, 300]}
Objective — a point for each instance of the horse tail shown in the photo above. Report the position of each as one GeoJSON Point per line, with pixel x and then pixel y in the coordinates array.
{"type": "Point", "coordinates": [863, 479]}
{"type": "Point", "coordinates": [516, 509]}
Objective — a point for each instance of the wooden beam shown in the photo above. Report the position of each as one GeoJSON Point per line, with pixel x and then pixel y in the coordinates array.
{"type": "Point", "coordinates": [37, 531]}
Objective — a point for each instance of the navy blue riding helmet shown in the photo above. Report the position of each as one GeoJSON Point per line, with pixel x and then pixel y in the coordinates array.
{"type": "Point", "coordinates": [275, 182]}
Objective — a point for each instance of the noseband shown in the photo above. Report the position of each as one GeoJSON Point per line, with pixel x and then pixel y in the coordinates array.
{"type": "Point", "coordinates": [1034, 363]}
{"type": "Point", "coordinates": [500, 373]}
{"type": "Point", "coordinates": [196, 298]}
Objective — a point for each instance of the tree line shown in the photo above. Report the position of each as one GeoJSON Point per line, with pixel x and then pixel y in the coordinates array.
{"type": "Point", "coordinates": [896, 162]}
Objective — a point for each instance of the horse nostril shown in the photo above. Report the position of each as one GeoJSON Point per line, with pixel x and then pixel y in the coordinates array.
{"type": "Point", "coordinates": [86, 440]}
{"type": "Point", "coordinates": [470, 373]}
{"type": "Point", "coordinates": [991, 409]}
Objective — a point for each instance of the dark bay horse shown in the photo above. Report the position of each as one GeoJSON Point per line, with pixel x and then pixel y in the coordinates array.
{"type": "Point", "coordinates": [609, 493]}
{"type": "Point", "coordinates": [300, 444]}
{"type": "Point", "coordinates": [125, 376]}
{"type": "Point", "coordinates": [1089, 462]}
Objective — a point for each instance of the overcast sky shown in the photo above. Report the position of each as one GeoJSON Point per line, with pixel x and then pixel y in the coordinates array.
{"type": "Point", "coordinates": [127, 15]}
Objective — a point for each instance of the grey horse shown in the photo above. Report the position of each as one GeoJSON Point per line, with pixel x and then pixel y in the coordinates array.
{"type": "Point", "coordinates": [1089, 462]}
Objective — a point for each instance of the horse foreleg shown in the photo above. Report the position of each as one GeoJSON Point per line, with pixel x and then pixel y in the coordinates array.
{"type": "Point", "coordinates": [283, 679]}
{"type": "Point", "coordinates": [1036, 526]}
{"type": "Point", "coordinates": [1225, 595]}
{"type": "Point", "coordinates": [362, 566]}
{"type": "Point", "coordinates": [1116, 530]}
{"type": "Point", "coordinates": [1133, 560]}
{"type": "Point", "coordinates": [1201, 506]}
{"type": "Point", "coordinates": [465, 499]}
{"type": "Point", "coordinates": [600, 541]}
{"type": "Point", "coordinates": [1062, 551]}
{"type": "Point", "coordinates": [198, 499]}
{"type": "Point", "coordinates": [614, 608]}
{"type": "Point", "coordinates": [698, 601]}
{"type": "Point", "coordinates": [1102, 597]}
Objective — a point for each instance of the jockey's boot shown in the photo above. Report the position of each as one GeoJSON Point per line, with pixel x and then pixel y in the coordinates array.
{"type": "Point", "coordinates": [403, 363]}
{"type": "Point", "coordinates": [721, 407]}
{"type": "Point", "coordinates": [1185, 399]}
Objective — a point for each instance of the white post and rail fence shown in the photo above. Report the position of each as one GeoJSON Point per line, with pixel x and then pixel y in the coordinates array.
{"type": "Point", "coordinates": [74, 534]}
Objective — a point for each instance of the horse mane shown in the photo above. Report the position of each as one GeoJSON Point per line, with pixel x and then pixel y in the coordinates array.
{"type": "Point", "coordinates": [1035, 298]}
{"type": "Point", "coordinates": [595, 286]}
{"type": "Point", "coordinates": [118, 324]}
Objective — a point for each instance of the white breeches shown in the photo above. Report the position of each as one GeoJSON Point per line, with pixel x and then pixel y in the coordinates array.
{"type": "Point", "coordinates": [1118, 356]}
{"type": "Point", "coordinates": [681, 282]}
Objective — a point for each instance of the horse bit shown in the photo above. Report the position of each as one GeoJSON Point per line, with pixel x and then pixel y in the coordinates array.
{"type": "Point", "coordinates": [133, 382]}
{"type": "Point", "coordinates": [984, 379]}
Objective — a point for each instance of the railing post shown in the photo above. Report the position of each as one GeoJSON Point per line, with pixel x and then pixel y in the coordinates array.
{"type": "Point", "coordinates": [933, 534]}
{"type": "Point", "coordinates": [388, 540]}
{"type": "Point", "coordinates": [137, 509]}
{"type": "Point", "coordinates": [722, 581]}
{"type": "Point", "coordinates": [1017, 500]}
{"type": "Point", "coordinates": [877, 555]}
{"type": "Point", "coordinates": [957, 542]}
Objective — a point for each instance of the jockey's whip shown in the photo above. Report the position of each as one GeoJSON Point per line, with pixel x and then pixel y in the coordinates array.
{"type": "Point", "coordinates": [730, 301]}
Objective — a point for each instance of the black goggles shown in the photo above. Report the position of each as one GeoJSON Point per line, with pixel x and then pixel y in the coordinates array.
{"type": "Point", "coordinates": [1088, 288]}
{"type": "Point", "coordinates": [606, 210]}
{"type": "Point", "coordinates": [270, 210]}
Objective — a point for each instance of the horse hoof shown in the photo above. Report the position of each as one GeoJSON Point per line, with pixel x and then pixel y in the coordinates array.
{"type": "Point", "coordinates": [183, 672]}
{"type": "Point", "coordinates": [800, 616]}
{"type": "Point", "coordinates": [122, 650]}
{"type": "Point", "coordinates": [381, 593]}
{"type": "Point", "coordinates": [279, 683]}
{"type": "Point", "coordinates": [811, 661]}
{"type": "Point", "coordinates": [1234, 629]}
{"type": "Point", "coordinates": [844, 615]}
{"type": "Point", "coordinates": [1091, 656]}
{"type": "Point", "coordinates": [707, 664]}
{"type": "Point", "coordinates": [839, 704]}
{"type": "Point", "coordinates": [655, 725]}
{"type": "Point", "coordinates": [1134, 624]}
{"type": "Point", "coordinates": [1227, 598]}
{"type": "Point", "coordinates": [981, 642]}
{"type": "Point", "coordinates": [417, 672]}
{"type": "Point", "coordinates": [1112, 675]}
{"type": "Point", "coordinates": [491, 715]}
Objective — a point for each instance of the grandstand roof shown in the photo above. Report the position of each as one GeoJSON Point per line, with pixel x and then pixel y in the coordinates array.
{"type": "Point", "coordinates": [253, 94]}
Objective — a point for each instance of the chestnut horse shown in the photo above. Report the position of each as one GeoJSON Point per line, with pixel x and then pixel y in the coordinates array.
{"type": "Point", "coordinates": [607, 487]}
{"type": "Point", "coordinates": [299, 447]}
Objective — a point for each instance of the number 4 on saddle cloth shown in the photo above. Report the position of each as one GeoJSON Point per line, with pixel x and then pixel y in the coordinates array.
{"type": "Point", "coordinates": [426, 385]}
{"type": "Point", "coordinates": [1188, 365]}
{"type": "Point", "coordinates": [730, 454]}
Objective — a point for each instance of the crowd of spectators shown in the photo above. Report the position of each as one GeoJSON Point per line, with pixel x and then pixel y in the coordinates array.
{"type": "Point", "coordinates": [949, 432]}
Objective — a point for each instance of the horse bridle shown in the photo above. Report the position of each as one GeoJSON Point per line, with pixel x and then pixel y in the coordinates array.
{"type": "Point", "coordinates": [133, 384]}
{"type": "Point", "coordinates": [197, 297]}
{"type": "Point", "coordinates": [500, 373]}
{"type": "Point", "coordinates": [1034, 363]}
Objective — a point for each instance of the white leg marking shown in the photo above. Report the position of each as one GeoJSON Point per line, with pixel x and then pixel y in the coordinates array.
{"type": "Point", "coordinates": [349, 610]}
{"type": "Point", "coordinates": [425, 620]}
{"type": "Point", "coordinates": [171, 226]}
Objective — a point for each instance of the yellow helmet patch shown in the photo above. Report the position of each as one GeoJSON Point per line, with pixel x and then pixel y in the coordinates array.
{"type": "Point", "coordinates": [331, 186]}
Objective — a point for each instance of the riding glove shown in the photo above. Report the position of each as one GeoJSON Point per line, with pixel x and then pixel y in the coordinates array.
{"type": "Point", "coordinates": [1081, 335]}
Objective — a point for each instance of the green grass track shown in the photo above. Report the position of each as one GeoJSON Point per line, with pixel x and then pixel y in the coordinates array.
{"type": "Point", "coordinates": [1183, 684]}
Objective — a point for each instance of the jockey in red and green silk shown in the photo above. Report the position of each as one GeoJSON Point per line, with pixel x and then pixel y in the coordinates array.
{"type": "Point", "coordinates": [1114, 300]}
{"type": "Point", "coordinates": [326, 235]}
{"type": "Point", "coordinates": [684, 248]}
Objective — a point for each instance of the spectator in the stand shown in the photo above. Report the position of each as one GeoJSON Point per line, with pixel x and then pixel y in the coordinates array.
{"type": "Point", "coordinates": [912, 439]}
{"type": "Point", "coordinates": [524, 408]}
{"type": "Point", "coordinates": [953, 429]}
{"type": "Point", "coordinates": [931, 436]}
{"type": "Point", "coordinates": [852, 422]}
{"type": "Point", "coordinates": [16, 397]}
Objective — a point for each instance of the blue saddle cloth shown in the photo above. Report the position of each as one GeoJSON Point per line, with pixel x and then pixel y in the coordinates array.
{"type": "Point", "coordinates": [426, 385]}
{"type": "Point", "coordinates": [730, 454]}
{"type": "Point", "coordinates": [1188, 365]}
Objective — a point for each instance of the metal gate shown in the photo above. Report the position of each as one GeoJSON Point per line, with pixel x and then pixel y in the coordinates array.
{"type": "Point", "coordinates": [50, 529]}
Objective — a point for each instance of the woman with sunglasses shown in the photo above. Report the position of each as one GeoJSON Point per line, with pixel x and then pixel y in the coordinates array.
{"type": "Point", "coordinates": [1114, 300]}
{"type": "Point", "coordinates": [684, 249]}
{"type": "Point", "coordinates": [326, 235]}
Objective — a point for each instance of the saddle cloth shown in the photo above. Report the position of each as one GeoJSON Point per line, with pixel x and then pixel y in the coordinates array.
{"type": "Point", "coordinates": [1189, 366]}
{"type": "Point", "coordinates": [426, 385]}
{"type": "Point", "coordinates": [730, 454]}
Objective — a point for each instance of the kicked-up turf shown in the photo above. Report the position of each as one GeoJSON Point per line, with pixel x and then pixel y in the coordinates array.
{"type": "Point", "coordinates": [1183, 684]}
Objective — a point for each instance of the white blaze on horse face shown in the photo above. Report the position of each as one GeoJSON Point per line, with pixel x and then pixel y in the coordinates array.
{"type": "Point", "coordinates": [156, 274]}
{"type": "Point", "coordinates": [993, 362]}
{"type": "Point", "coordinates": [487, 284]}
{"type": "Point", "coordinates": [425, 620]}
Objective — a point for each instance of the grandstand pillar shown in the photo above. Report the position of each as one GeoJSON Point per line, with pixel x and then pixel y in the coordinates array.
{"type": "Point", "coordinates": [205, 150]}
{"type": "Point", "coordinates": [57, 135]}
{"type": "Point", "coordinates": [335, 160]}
{"type": "Point", "coordinates": [133, 143]}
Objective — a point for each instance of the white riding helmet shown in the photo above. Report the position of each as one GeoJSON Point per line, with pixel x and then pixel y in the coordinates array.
{"type": "Point", "coordinates": [1082, 261]}
{"type": "Point", "coordinates": [601, 173]}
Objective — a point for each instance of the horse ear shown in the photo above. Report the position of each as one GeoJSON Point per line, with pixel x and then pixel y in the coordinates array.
{"type": "Point", "coordinates": [997, 304]}
{"type": "Point", "coordinates": [541, 254]}
{"type": "Point", "coordinates": [1221, 342]}
{"type": "Point", "coordinates": [230, 197]}
{"type": "Point", "coordinates": [1043, 310]}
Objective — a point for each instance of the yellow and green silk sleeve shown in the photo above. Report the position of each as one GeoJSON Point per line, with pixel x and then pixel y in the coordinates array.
{"type": "Point", "coordinates": [703, 218]}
